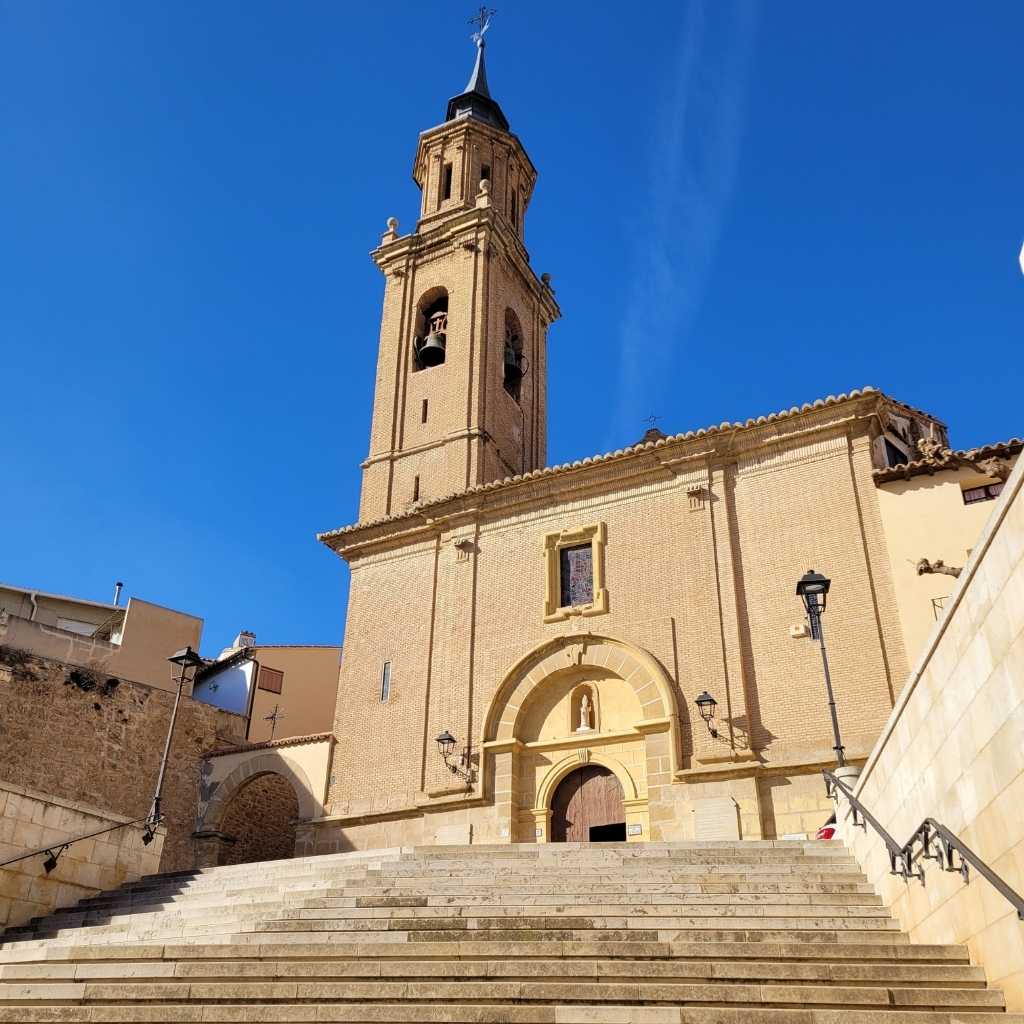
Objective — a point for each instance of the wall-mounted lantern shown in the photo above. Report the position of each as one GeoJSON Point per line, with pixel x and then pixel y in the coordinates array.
{"type": "Point", "coordinates": [463, 767]}
{"type": "Point", "coordinates": [706, 705]}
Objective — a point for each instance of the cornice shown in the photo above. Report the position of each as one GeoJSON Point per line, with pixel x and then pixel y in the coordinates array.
{"type": "Point", "coordinates": [666, 456]}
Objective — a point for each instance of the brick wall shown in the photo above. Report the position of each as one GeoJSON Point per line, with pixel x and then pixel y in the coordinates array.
{"type": "Point", "coordinates": [84, 737]}
{"type": "Point", "coordinates": [261, 819]}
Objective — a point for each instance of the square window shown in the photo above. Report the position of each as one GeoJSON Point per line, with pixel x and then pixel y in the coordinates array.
{"type": "Point", "coordinates": [270, 679]}
{"type": "Point", "coordinates": [576, 575]}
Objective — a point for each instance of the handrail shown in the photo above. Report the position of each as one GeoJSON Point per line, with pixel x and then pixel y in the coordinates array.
{"type": "Point", "coordinates": [56, 849]}
{"type": "Point", "coordinates": [902, 858]}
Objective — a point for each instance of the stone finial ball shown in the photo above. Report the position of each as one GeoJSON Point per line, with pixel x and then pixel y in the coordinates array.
{"type": "Point", "coordinates": [485, 186]}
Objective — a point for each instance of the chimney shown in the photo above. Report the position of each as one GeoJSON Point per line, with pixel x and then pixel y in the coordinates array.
{"type": "Point", "coordinates": [117, 592]}
{"type": "Point", "coordinates": [245, 639]}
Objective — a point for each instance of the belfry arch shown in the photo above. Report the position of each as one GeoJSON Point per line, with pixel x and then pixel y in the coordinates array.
{"type": "Point", "coordinates": [538, 733]}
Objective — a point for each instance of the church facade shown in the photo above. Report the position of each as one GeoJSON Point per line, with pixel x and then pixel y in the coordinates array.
{"type": "Point", "coordinates": [525, 644]}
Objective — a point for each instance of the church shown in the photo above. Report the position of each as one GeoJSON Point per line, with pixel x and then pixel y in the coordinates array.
{"type": "Point", "coordinates": [525, 645]}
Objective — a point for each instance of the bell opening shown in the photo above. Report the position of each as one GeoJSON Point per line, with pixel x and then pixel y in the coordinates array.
{"type": "Point", "coordinates": [514, 362]}
{"type": "Point", "coordinates": [431, 340]}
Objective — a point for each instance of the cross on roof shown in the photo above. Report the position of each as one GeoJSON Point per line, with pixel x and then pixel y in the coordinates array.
{"type": "Point", "coordinates": [483, 19]}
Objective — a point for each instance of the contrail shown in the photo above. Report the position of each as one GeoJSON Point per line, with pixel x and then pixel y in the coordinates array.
{"type": "Point", "coordinates": [691, 179]}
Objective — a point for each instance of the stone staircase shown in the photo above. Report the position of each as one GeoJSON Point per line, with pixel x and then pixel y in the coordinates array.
{"type": "Point", "coordinates": [692, 933]}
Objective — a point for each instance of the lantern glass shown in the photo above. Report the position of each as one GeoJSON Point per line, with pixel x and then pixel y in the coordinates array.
{"type": "Point", "coordinates": [706, 704]}
{"type": "Point", "coordinates": [812, 588]}
{"type": "Point", "coordinates": [446, 744]}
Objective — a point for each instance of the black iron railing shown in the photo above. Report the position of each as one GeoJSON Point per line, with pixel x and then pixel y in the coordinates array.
{"type": "Point", "coordinates": [54, 850]}
{"type": "Point", "coordinates": [931, 840]}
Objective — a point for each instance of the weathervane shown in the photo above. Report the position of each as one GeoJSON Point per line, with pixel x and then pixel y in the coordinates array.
{"type": "Point", "coordinates": [483, 19]}
{"type": "Point", "coordinates": [653, 420]}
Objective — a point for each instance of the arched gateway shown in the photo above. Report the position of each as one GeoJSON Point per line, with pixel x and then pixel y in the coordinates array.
{"type": "Point", "coordinates": [583, 729]}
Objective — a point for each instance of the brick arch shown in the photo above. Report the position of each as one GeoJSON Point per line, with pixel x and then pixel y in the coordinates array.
{"type": "Point", "coordinates": [635, 666]}
{"type": "Point", "coordinates": [261, 763]}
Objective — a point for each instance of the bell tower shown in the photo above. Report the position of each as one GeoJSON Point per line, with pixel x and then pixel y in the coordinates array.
{"type": "Point", "coordinates": [460, 395]}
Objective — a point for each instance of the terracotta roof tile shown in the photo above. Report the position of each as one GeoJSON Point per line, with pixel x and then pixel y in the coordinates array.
{"type": "Point", "coordinates": [619, 453]}
{"type": "Point", "coordinates": [952, 461]}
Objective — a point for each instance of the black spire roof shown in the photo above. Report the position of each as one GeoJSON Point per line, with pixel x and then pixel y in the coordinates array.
{"type": "Point", "coordinates": [475, 100]}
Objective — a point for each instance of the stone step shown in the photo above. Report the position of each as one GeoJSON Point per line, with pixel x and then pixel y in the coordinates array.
{"type": "Point", "coordinates": [568, 969]}
{"type": "Point", "coordinates": [493, 1013]}
{"type": "Point", "coordinates": [735, 950]}
{"type": "Point", "coordinates": [534, 990]}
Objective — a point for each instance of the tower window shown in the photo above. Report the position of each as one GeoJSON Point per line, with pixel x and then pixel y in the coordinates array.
{"type": "Point", "coordinates": [514, 209]}
{"type": "Point", "coordinates": [485, 172]}
{"type": "Point", "coordinates": [446, 182]}
{"type": "Point", "coordinates": [385, 682]}
{"type": "Point", "coordinates": [423, 412]}
{"type": "Point", "coordinates": [513, 361]}
{"type": "Point", "coordinates": [416, 489]}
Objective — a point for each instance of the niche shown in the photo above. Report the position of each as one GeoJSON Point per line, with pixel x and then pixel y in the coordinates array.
{"type": "Point", "coordinates": [583, 710]}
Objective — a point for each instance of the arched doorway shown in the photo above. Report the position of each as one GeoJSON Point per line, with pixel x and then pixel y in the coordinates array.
{"type": "Point", "coordinates": [588, 807]}
{"type": "Point", "coordinates": [259, 821]}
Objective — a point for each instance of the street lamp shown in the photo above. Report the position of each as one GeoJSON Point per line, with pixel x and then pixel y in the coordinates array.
{"type": "Point", "coordinates": [812, 589]}
{"type": "Point", "coordinates": [464, 769]}
{"type": "Point", "coordinates": [187, 661]}
{"type": "Point", "coordinates": [706, 705]}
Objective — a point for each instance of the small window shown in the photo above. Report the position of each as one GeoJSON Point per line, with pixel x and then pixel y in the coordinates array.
{"type": "Point", "coordinates": [576, 575]}
{"type": "Point", "coordinates": [423, 412]}
{"type": "Point", "coordinates": [385, 682]}
{"type": "Point", "coordinates": [975, 494]}
{"type": "Point", "coordinates": [893, 456]}
{"type": "Point", "coordinates": [485, 172]}
{"type": "Point", "coordinates": [514, 210]}
{"type": "Point", "coordinates": [446, 182]}
{"type": "Point", "coordinates": [270, 679]}
{"type": "Point", "coordinates": [416, 489]}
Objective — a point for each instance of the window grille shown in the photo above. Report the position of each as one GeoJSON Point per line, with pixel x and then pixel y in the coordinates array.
{"type": "Point", "coordinates": [576, 572]}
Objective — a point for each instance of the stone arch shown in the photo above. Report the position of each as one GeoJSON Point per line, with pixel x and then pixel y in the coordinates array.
{"type": "Point", "coordinates": [638, 668]}
{"type": "Point", "coordinates": [569, 764]}
{"type": "Point", "coordinates": [261, 763]}
{"type": "Point", "coordinates": [259, 821]}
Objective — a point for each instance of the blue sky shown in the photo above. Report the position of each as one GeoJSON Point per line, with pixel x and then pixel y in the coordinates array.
{"type": "Point", "coordinates": [742, 206]}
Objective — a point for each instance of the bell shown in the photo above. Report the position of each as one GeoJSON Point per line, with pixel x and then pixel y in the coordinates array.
{"type": "Point", "coordinates": [513, 368]}
{"type": "Point", "coordinates": [431, 350]}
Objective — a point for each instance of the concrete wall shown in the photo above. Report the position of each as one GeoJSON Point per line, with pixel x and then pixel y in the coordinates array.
{"type": "Point", "coordinates": [308, 693]}
{"type": "Point", "coordinates": [150, 634]}
{"type": "Point", "coordinates": [30, 820]}
{"type": "Point", "coordinates": [953, 749]}
{"type": "Point", "coordinates": [925, 517]}
{"type": "Point", "coordinates": [87, 737]}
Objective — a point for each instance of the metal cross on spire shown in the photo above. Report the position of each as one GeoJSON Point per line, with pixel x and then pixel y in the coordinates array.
{"type": "Point", "coordinates": [483, 19]}
{"type": "Point", "coordinates": [653, 420]}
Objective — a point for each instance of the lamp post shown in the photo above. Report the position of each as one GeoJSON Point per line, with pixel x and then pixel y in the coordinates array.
{"type": "Point", "coordinates": [812, 589]}
{"type": "Point", "coordinates": [187, 661]}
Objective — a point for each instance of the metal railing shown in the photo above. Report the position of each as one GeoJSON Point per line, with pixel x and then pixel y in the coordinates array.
{"type": "Point", "coordinates": [949, 851]}
{"type": "Point", "coordinates": [54, 850]}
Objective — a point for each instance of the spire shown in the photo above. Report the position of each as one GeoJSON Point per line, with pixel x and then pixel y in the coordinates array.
{"type": "Point", "coordinates": [475, 100]}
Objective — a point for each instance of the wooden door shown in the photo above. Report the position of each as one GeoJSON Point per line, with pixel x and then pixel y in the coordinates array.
{"type": "Point", "coordinates": [588, 797]}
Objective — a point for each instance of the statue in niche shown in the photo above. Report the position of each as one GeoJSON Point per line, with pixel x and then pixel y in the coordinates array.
{"type": "Point", "coordinates": [585, 709]}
